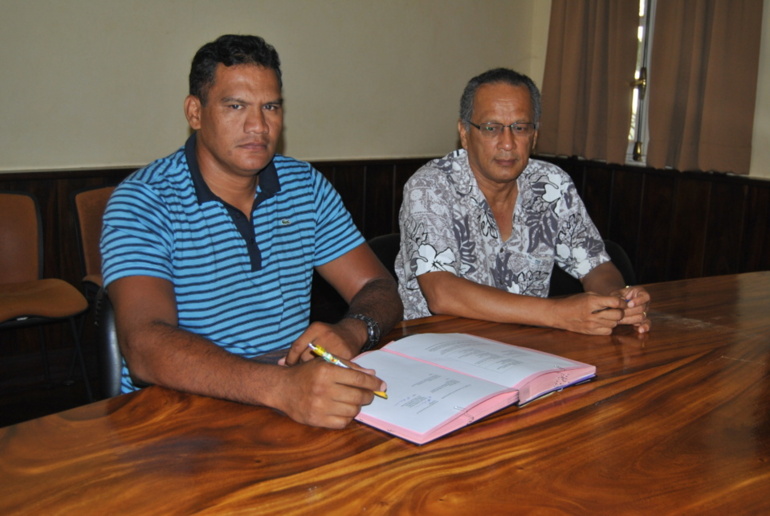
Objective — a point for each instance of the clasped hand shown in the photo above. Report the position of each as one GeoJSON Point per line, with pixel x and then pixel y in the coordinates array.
{"type": "Point", "coordinates": [637, 303]}
{"type": "Point", "coordinates": [594, 314]}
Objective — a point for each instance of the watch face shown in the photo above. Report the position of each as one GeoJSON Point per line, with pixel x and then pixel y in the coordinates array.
{"type": "Point", "coordinates": [374, 330]}
{"type": "Point", "coordinates": [373, 334]}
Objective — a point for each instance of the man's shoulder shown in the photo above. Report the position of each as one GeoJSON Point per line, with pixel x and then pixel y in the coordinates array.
{"type": "Point", "coordinates": [453, 165]}
{"type": "Point", "coordinates": [293, 173]}
{"type": "Point", "coordinates": [163, 169]}
{"type": "Point", "coordinates": [165, 178]}
{"type": "Point", "coordinates": [538, 169]}
{"type": "Point", "coordinates": [287, 164]}
{"type": "Point", "coordinates": [540, 164]}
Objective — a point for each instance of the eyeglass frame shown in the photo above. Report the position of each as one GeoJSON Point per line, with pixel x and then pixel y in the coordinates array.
{"type": "Point", "coordinates": [502, 127]}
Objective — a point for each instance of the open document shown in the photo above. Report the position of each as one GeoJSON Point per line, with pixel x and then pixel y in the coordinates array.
{"type": "Point", "coordinates": [438, 383]}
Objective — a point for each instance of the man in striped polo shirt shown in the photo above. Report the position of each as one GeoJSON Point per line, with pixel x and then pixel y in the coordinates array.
{"type": "Point", "coordinates": [209, 254]}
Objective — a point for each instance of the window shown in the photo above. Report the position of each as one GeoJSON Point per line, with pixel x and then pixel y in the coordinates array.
{"type": "Point", "coordinates": [698, 61]}
{"type": "Point", "coordinates": [638, 134]}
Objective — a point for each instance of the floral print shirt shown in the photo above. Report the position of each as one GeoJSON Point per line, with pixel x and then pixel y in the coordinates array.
{"type": "Point", "coordinates": [447, 225]}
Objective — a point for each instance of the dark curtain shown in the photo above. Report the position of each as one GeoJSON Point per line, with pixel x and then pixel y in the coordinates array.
{"type": "Point", "coordinates": [590, 63]}
{"type": "Point", "coordinates": [703, 82]}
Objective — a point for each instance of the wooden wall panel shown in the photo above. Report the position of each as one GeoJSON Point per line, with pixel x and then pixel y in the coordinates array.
{"type": "Point", "coordinates": [655, 229]}
{"type": "Point", "coordinates": [371, 190]}
{"type": "Point", "coordinates": [625, 212]}
{"type": "Point", "coordinates": [755, 251]}
{"type": "Point", "coordinates": [686, 252]}
{"type": "Point", "coordinates": [349, 181]}
{"type": "Point", "coordinates": [574, 167]}
{"type": "Point", "coordinates": [673, 225]}
{"type": "Point", "coordinates": [724, 239]}
{"type": "Point", "coordinates": [378, 199]}
{"type": "Point", "coordinates": [597, 196]}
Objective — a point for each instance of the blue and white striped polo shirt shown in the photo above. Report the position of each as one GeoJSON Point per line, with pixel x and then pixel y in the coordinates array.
{"type": "Point", "coordinates": [247, 290]}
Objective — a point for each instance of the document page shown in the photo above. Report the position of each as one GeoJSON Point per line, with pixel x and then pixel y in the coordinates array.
{"type": "Point", "coordinates": [420, 396]}
{"type": "Point", "coordinates": [497, 362]}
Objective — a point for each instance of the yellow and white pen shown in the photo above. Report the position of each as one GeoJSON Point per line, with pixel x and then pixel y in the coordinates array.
{"type": "Point", "coordinates": [321, 352]}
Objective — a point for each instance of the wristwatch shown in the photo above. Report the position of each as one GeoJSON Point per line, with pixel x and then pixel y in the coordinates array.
{"type": "Point", "coordinates": [372, 330]}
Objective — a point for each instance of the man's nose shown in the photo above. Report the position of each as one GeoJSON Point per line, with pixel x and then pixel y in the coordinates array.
{"type": "Point", "coordinates": [507, 138]}
{"type": "Point", "coordinates": [256, 122]}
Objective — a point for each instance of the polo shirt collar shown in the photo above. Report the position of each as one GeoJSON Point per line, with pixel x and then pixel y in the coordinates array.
{"type": "Point", "coordinates": [268, 177]}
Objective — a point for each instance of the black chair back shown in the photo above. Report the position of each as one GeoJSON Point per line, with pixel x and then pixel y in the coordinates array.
{"type": "Point", "coordinates": [562, 284]}
{"type": "Point", "coordinates": [109, 357]}
{"type": "Point", "coordinates": [386, 248]}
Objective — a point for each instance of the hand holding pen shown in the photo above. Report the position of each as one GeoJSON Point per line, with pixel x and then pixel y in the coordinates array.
{"type": "Point", "coordinates": [637, 303]}
{"type": "Point", "coordinates": [638, 300]}
{"type": "Point", "coordinates": [321, 352]}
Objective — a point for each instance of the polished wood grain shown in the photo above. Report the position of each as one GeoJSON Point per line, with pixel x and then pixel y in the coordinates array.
{"type": "Point", "coordinates": [676, 421]}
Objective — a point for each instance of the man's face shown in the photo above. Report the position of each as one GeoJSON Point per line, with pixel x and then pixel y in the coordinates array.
{"type": "Point", "coordinates": [239, 127]}
{"type": "Point", "coordinates": [500, 160]}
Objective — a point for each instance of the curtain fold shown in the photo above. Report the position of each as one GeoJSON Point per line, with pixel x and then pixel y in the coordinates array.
{"type": "Point", "coordinates": [590, 63]}
{"type": "Point", "coordinates": [702, 84]}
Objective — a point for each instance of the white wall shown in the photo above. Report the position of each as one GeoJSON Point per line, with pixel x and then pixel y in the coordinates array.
{"type": "Point", "coordinates": [100, 83]}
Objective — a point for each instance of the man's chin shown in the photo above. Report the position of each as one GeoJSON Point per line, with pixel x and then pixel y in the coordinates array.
{"type": "Point", "coordinates": [257, 164]}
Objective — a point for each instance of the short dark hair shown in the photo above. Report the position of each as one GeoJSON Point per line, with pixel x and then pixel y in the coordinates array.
{"type": "Point", "coordinates": [230, 50]}
{"type": "Point", "coordinates": [498, 75]}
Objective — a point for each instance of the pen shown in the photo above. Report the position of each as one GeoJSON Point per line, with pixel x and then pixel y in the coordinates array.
{"type": "Point", "coordinates": [321, 352]}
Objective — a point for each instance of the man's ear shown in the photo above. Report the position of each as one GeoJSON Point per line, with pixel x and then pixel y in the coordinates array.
{"type": "Point", "coordinates": [192, 111]}
{"type": "Point", "coordinates": [463, 130]}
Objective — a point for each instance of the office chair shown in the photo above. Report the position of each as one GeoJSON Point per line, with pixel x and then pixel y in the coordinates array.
{"type": "Point", "coordinates": [326, 305]}
{"type": "Point", "coordinates": [26, 299]}
{"type": "Point", "coordinates": [89, 207]}
{"type": "Point", "coordinates": [386, 248]}
{"type": "Point", "coordinates": [109, 357]}
{"type": "Point", "coordinates": [562, 284]}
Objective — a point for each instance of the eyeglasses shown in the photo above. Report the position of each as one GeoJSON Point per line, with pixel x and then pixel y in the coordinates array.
{"type": "Point", "coordinates": [493, 130]}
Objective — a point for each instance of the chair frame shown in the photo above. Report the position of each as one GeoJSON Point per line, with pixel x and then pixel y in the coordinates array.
{"type": "Point", "coordinates": [562, 284]}
{"type": "Point", "coordinates": [386, 248]}
{"type": "Point", "coordinates": [90, 289]}
{"type": "Point", "coordinates": [109, 357]}
{"type": "Point", "coordinates": [39, 321]}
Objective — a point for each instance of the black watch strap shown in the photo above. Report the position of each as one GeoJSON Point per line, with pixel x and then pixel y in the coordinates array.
{"type": "Point", "coordinates": [372, 330]}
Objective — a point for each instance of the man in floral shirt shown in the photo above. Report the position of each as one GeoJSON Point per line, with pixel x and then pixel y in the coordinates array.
{"type": "Point", "coordinates": [482, 227]}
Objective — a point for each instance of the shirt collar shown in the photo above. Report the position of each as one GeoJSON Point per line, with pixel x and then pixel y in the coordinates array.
{"type": "Point", "coordinates": [268, 176]}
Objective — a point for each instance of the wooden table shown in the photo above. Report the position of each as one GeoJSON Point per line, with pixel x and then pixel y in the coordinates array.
{"type": "Point", "coordinates": [677, 421]}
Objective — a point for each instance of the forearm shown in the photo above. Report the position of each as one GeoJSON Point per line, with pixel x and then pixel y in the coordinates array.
{"type": "Point", "coordinates": [162, 354]}
{"type": "Point", "coordinates": [379, 300]}
{"type": "Point", "coordinates": [603, 279]}
{"type": "Point", "coordinates": [448, 294]}
{"type": "Point", "coordinates": [313, 393]}
{"type": "Point", "coordinates": [583, 313]}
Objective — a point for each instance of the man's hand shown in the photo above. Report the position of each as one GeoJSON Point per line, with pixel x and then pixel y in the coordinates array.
{"type": "Point", "coordinates": [320, 394]}
{"type": "Point", "coordinates": [606, 279]}
{"type": "Point", "coordinates": [588, 313]}
{"type": "Point", "coordinates": [638, 303]}
{"type": "Point", "coordinates": [341, 339]}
